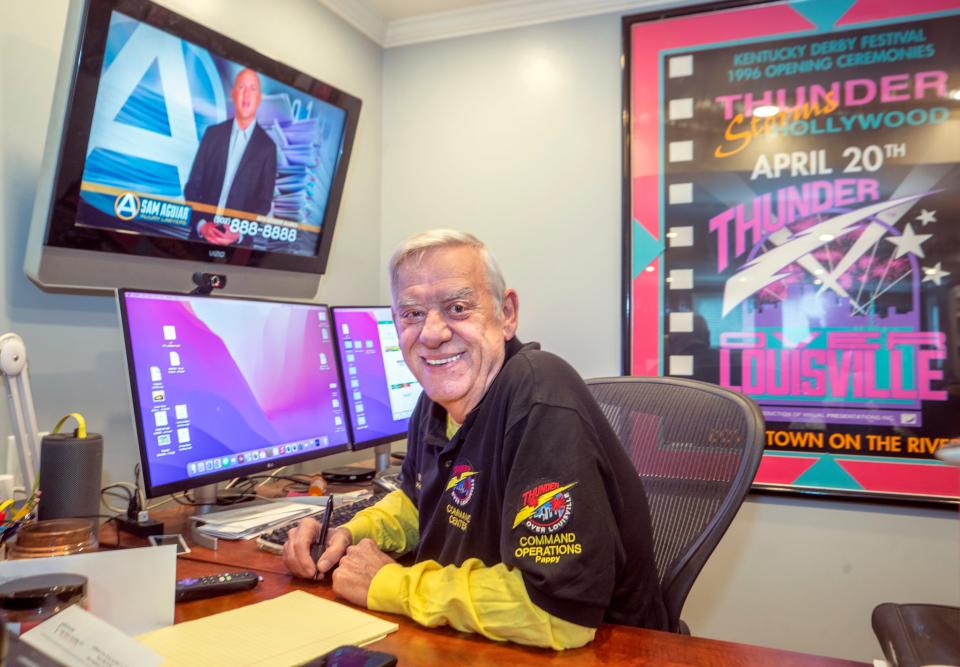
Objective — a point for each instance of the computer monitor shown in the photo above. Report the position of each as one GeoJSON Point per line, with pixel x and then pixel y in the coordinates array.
{"type": "Point", "coordinates": [131, 189]}
{"type": "Point", "coordinates": [381, 391]}
{"type": "Point", "coordinates": [224, 387]}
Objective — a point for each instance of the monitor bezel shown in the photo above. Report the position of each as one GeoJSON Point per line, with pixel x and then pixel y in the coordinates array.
{"type": "Point", "coordinates": [62, 231]}
{"type": "Point", "coordinates": [359, 445]}
{"type": "Point", "coordinates": [151, 490]}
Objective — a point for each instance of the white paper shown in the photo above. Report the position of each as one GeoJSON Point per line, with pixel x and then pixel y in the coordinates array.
{"type": "Point", "coordinates": [252, 513]}
{"type": "Point", "coordinates": [248, 525]}
{"type": "Point", "coordinates": [77, 638]}
{"type": "Point", "coordinates": [132, 589]}
{"type": "Point", "coordinates": [267, 514]}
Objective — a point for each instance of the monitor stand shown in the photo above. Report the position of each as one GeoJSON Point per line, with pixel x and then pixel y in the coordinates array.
{"type": "Point", "coordinates": [206, 499]}
{"type": "Point", "coordinates": [382, 457]}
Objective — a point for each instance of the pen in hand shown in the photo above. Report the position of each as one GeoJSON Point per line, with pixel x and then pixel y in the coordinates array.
{"type": "Point", "coordinates": [318, 547]}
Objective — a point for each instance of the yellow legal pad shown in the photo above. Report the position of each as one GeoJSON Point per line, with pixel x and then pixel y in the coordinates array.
{"type": "Point", "coordinates": [287, 630]}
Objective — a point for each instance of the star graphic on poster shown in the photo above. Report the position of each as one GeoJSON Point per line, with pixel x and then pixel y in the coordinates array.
{"type": "Point", "coordinates": [927, 216]}
{"type": "Point", "coordinates": [934, 274]}
{"type": "Point", "coordinates": [909, 242]}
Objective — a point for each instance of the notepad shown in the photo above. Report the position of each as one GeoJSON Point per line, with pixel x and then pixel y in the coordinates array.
{"type": "Point", "coordinates": [287, 630]}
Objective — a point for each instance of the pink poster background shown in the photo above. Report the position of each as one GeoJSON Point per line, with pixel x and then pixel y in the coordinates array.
{"type": "Point", "coordinates": [648, 40]}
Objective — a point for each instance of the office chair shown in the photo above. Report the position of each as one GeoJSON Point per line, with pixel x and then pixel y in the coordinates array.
{"type": "Point", "coordinates": [912, 635]}
{"type": "Point", "coordinates": [696, 447]}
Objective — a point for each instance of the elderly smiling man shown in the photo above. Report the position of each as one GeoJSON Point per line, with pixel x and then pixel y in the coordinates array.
{"type": "Point", "coordinates": [522, 511]}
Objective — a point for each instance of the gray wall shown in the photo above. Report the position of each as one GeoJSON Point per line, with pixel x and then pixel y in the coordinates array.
{"type": "Point", "coordinates": [515, 136]}
{"type": "Point", "coordinates": [73, 342]}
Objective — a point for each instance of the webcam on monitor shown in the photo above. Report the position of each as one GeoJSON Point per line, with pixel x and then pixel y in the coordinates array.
{"type": "Point", "coordinates": [207, 282]}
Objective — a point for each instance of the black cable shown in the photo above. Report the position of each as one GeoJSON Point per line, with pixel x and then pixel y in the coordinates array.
{"type": "Point", "coordinates": [132, 497]}
{"type": "Point", "coordinates": [187, 500]}
{"type": "Point", "coordinates": [135, 503]}
{"type": "Point", "coordinates": [302, 479]}
{"type": "Point", "coordinates": [245, 489]}
{"type": "Point", "coordinates": [110, 490]}
{"type": "Point", "coordinates": [220, 502]}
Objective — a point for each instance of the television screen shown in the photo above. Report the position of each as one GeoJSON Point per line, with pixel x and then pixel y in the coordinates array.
{"type": "Point", "coordinates": [224, 387]}
{"type": "Point", "coordinates": [181, 143]}
{"type": "Point", "coordinates": [381, 391]}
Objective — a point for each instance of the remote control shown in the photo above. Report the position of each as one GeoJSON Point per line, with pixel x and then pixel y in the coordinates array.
{"type": "Point", "coordinates": [195, 588]}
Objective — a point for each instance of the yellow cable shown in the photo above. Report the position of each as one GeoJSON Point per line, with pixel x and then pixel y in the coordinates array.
{"type": "Point", "coordinates": [81, 431]}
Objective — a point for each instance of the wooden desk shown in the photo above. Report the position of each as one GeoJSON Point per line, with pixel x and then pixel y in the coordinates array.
{"type": "Point", "coordinates": [416, 645]}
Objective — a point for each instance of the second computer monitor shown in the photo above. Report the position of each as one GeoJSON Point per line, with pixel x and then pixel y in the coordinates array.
{"type": "Point", "coordinates": [381, 391]}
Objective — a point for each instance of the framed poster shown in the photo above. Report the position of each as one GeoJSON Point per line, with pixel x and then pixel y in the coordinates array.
{"type": "Point", "coordinates": [792, 229]}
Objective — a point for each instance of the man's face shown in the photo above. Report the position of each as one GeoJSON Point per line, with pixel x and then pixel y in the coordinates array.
{"type": "Point", "coordinates": [246, 96]}
{"type": "Point", "coordinates": [452, 333]}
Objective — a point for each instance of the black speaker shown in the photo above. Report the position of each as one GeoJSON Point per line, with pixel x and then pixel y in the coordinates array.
{"type": "Point", "coordinates": [70, 470]}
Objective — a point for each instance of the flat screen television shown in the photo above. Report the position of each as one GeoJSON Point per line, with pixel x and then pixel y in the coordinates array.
{"type": "Point", "coordinates": [381, 390]}
{"type": "Point", "coordinates": [172, 147]}
{"type": "Point", "coordinates": [223, 387]}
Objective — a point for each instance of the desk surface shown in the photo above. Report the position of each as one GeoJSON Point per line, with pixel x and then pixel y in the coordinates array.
{"type": "Point", "coordinates": [416, 645]}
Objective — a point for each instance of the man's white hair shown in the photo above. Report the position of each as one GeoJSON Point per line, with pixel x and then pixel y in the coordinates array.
{"type": "Point", "coordinates": [415, 247]}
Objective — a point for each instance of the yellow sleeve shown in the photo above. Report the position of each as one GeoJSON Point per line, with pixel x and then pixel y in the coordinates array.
{"type": "Point", "coordinates": [492, 601]}
{"type": "Point", "coordinates": [393, 523]}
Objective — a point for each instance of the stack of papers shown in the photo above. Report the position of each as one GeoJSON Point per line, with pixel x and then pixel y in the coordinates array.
{"type": "Point", "coordinates": [248, 522]}
{"type": "Point", "coordinates": [308, 141]}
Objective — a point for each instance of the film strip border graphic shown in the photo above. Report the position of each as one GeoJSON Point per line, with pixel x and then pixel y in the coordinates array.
{"type": "Point", "coordinates": [662, 289]}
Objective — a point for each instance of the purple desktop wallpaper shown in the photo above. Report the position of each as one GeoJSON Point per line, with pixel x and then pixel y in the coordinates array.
{"type": "Point", "coordinates": [368, 385]}
{"type": "Point", "coordinates": [237, 382]}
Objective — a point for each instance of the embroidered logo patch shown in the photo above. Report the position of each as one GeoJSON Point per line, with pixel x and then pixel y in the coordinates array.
{"type": "Point", "coordinates": [462, 484]}
{"type": "Point", "coordinates": [546, 508]}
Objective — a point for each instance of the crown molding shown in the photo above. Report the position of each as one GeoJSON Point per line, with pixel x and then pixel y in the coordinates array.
{"type": "Point", "coordinates": [500, 15]}
{"type": "Point", "coordinates": [497, 16]}
{"type": "Point", "coordinates": [361, 17]}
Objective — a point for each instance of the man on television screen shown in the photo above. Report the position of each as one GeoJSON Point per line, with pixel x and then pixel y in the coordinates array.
{"type": "Point", "coordinates": [235, 166]}
{"type": "Point", "coordinates": [519, 508]}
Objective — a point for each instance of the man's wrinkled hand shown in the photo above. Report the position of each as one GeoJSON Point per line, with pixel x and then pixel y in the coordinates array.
{"type": "Point", "coordinates": [296, 551]}
{"type": "Point", "coordinates": [358, 567]}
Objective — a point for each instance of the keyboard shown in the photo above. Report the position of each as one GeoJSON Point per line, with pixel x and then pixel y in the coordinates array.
{"type": "Point", "coordinates": [276, 538]}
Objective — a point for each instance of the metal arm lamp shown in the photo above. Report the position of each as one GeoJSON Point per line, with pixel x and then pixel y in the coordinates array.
{"type": "Point", "coordinates": [13, 364]}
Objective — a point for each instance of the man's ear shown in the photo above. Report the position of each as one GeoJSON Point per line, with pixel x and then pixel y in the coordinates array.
{"type": "Point", "coordinates": [510, 312]}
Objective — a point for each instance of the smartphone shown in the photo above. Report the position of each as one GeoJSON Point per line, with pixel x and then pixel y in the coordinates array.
{"type": "Point", "coordinates": [175, 539]}
{"type": "Point", "coordinates": [353, 656]}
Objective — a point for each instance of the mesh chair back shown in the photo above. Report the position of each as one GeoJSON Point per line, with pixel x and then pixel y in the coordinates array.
{"type": "Point", "coordinates": [696, 447]}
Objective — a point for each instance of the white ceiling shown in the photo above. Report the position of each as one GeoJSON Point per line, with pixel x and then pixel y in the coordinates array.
{"type": "Point", "coordinates": [399, 22]}
{"type": "Point", "coordinates": [390, 10]}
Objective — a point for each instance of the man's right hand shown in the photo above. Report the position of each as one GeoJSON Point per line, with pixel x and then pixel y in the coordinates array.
{"type": "Point", "coordinates": [218, 235]}
{"type": "Point", "coordinates": [296, 552]}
